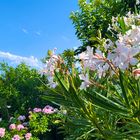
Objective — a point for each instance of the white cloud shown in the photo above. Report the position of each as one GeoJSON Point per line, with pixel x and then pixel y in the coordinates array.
{"type": "Point", "coordinates": [31, 61]}
{"type": "Point", "coordinates": [25, 31]}
{"type": "Point", "coordinates": [38, 33]}
{"type": "Point", "coordinates": [65, 38]}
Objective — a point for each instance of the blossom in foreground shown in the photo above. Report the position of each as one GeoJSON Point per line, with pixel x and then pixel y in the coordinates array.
{"type": "Point", "coordinates": [123, 56]}
{"type": "Point", "coordinates": [2, 132]}
{"type": "Point", "coordinates": [16, 137]}
{"type": "Point", "coordinates": [86, 83]}
{"type": "Point", "coordinates": [87, 54]}
{"type": "Point", "coordinates": [20, 127]}
{"type": "Point", "coordinates": [93, 62]}
{"type": "Point", "coordinates": [12, 126]}
{"type": "Point", "coordinates": [28, 136]}
{"type": "Point", "coordinates": [132, 37]}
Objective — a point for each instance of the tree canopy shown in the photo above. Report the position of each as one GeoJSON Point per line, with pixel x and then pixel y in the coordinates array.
{"type": "Point", "coordinates": [94, 16]}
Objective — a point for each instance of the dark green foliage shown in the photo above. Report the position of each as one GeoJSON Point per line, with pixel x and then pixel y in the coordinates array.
{"type": "Point", "coordinates": [20, 88]}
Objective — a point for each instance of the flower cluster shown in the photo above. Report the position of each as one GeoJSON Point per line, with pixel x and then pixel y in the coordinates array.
{"type": "Point", "coordinates": [21, 128]}
{"type": "Point", "coordinates": [94, 62]}
{"type": "Point", "coordinates": [18, 127]}
{"type": "Point", "coordinates": [46, 110]}
{"type": "Point", "coordinates": [120, 54]}
{"type": "Point", "coordinates": [50, 67]}
{"type": "Point", "coordinates": [129, 20]}
{"type": "Point", "coordinates": [27, 137]}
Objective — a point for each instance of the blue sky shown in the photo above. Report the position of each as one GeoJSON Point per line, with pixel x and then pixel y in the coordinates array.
{"type": "Point", "coordinates": [31, 27]}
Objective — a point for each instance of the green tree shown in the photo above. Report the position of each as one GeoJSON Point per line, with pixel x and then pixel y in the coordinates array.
{"type": "Point", "coordinates": [94, 16]}
{"type": "Point", "coordinates": [20, 88]}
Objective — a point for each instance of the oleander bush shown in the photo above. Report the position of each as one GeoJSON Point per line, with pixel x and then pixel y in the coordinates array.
{"type": "Point", "coordinates": [102, 96]}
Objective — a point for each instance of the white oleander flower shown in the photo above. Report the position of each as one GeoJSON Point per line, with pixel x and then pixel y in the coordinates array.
{"type": "Point", "coordinates": [85, 81]}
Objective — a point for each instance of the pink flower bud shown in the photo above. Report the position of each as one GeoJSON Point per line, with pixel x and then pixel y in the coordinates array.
{"type": "Point", "coordinates": [2, 132]}
{"type": "Point", "coordinates": [12, 126]}
{"type": "Point", "coordinates": [28, 136]}
{"type": "Point", "coordinates": [20, 127]}
{"type": "Point", "coordinates": [136, 72]}
{"type": "Point", "coordinates": [37, 110]}
{"type": "Point", "coordinates": [16, 137]}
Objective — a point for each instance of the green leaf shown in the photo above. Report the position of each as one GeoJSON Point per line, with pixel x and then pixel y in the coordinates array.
{"type": "Point", "coordinates": [57, 97]}
{"type": "Point", "coordinates": [123, 87]}
{"type": "Point", "coordinates": [137, 113]}
{"type": "Point", "coordinates": [105, 103]}
{"type": "Point", "coordinates": [122, 24]}
{"type": "Point", "coordinates": [75, 97]}
{"type": "Point", "coordinates": [62, 83]}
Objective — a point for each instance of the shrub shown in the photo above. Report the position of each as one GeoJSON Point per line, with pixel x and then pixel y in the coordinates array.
{"type": "Point", "coordinates": [101, 98]}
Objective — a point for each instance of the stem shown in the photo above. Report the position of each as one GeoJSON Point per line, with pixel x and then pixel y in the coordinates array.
{"type": "Point", "coordinates": [97, 84]}
{"type": "Point", "coordinates": [112, 67]}
{"type": "Point", "coordinates": [94, 120]}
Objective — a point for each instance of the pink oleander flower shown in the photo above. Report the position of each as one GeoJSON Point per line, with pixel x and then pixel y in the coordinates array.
{"type": "Point", "coordinates": [12, 126]}
{"type": "Point", "coordinates": [21, 118]}
{"type": "Point", "coordinates": [36, 110]}
{"type": "Point", "coordinates": [2, 132]}
{"type": "Point", "coordinates": [136, 72]}
{"type": "Point", "coordinates": [28, 136]}
{"type": "Point", "coordinates": [16, 137]}
{"type": "Point", "coordinates": [20, 127]}
{"type": "Point", "coordinates": [48, 110]}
